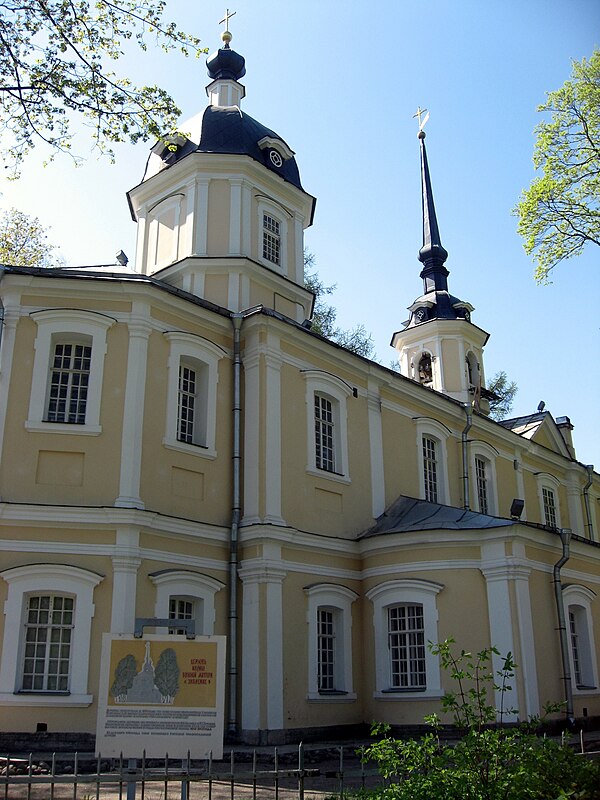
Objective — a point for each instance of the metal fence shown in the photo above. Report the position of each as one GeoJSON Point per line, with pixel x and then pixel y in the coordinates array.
{"type": "Point", "coordinates": [249, 774]}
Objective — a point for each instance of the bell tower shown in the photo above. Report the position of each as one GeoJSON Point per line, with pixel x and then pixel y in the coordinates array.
{"type": "Point", "coordinates": [439, 345]}
{"type": "Point", "coordinates": [221, 211]}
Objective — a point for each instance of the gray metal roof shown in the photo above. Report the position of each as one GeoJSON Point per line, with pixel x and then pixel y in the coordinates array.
{"type": "Point", "coordinates": [409, 514]}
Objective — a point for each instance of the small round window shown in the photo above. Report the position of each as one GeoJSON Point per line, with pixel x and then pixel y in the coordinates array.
{"type": "Point", "coordinates": [276, 159]}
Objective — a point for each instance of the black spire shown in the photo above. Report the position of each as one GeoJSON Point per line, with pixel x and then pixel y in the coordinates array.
{"type": "Point", "coordinates": [432, 255]}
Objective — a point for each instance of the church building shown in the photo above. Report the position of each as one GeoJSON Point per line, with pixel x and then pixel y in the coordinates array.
{"type": "Point", "coordinates": [176, 442]}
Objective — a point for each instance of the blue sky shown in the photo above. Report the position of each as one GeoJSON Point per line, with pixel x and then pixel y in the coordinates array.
{"type": "Point", "coordinates": [340, 82]}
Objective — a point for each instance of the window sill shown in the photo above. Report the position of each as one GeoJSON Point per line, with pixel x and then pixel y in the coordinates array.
{"type": "Point", "coordinates": [192, 449]}
{"type": "Point", "coordinates": [63, 427]}
{"type": "Point", "coordinates": [331, 697]}
{"type": "Point", "coordinates": [579, 690]}
{"type": "Point", "coordinates": [394, 695]}
{"type": "Point", "coordinates": [329, 476]}
{"type": "Point", "coordinates": [47, 700]}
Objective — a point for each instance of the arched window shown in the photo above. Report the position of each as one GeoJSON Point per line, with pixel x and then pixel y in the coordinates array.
{"type": "Point", "coordinates": [578, 612]}
{"type": "Point", "coordinates": [405, 619]}
{"type": "Point", "coordinates": [425, 370]}
{"type": "Point", "coordinates": [330, 641]}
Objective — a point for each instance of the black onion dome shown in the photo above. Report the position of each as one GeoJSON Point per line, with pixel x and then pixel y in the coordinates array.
{"type": "Point", "coordinates": [226, 64]}
{"type": "Point", "coordinates": [229, 130]}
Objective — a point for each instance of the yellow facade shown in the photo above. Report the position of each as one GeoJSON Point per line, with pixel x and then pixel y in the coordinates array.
{"type": "Point", "coordinates": [168, 429]}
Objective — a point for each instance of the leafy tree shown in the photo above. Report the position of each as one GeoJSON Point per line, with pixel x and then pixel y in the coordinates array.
{"type": "Point", "coordinates": [24, 242]}
{"type": "Point", "coordinates": [560, 212]}
{"type": "Point", "coordinates": [125, 672]}
{"type": "Point", "coordinates": [166, 675]}
{"type": "Point", "coordinates": [358, 340]}
{"type": "Point", "coordinates": [53, 67]}
{"type": "Point", "coordinates": [505, 391]}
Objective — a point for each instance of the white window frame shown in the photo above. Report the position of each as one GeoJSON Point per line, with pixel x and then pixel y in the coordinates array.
{"type": "Point", "coordinates": [547, 481]}
{"type": "Point", "coordinates": [581, 598]}
{"type": "Point", "coordinates": [339, 599]}
{"type": "Point", "coordinates": [405, 592]}
{"type": "Point", "coordinates": [432, 429]}
{"type": "Point", "coordinates": [337, 391]}
{"type": "Point", "coordinates": [191, 585]}
{"type": "Point", "coordinates": [35, 579]}
{"type": "Point", "coordinates": [278, 214]}
{"type": "Point", "coordinates": [488, 454]}
{"type": "Point", "coordinates": [67, 325]}
{"type": "Point", "coordinates": [188, 348]}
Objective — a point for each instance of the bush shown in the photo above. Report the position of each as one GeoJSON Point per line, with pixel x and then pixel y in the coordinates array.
{"type": "Point", "coordinates": [488, 763]}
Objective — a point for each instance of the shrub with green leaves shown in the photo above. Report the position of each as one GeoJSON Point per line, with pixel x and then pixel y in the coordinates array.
{"type": "Point", "coordinates": [487, 763]}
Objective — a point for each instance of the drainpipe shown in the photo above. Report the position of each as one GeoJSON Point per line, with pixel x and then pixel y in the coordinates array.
{"type": "Point", "coordinates": [565, 537]}
{"type": "Point", "coordinates": [236, 514]}
{"type": "Point", "coordinates": [465, 459]}
{"type": "Point", "coordinates": [586, 502]}
{"type": "Point", "coordinates": [236, 508]}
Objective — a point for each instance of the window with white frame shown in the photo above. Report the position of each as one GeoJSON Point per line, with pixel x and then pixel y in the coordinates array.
{"type": "Point", "coordinates": [68, 371]}
{"type": "Point", "coordinates": [324, 433]}
{"type": "Point", "coordinates": [548, 487]}
{"type": "Point", "coordinates": [406, 634]}
{"type": "Point", "coordinates": [484, 493]}
{"type": "Point", "coordinates": [192, 379]}
{"type": "Point", "coordinates": [578, 613]}
{"type": "Point", "coordinates": [329, 617]}
{"type": "Point", "coordinates": [69, 382]}
{"type": "Point", "coordinates": [432, 459]}
{"type": "Point", "coordinates": [184, 608]}
{"type": "Point", "coordinates": [192, 400]}
{"type": "Point", "coordinates": [47, 631]}
{"type": "Point", "coordinates": [430, 469]}
{"type": "Point", "coordinates": [271, 239]}
{"type": "Point", "coordinates": [549, 503]}
{"type": "Point", "coordinates": [326, 397]}
{"type": "Point", "coordinates": [273, 223]}
{"type": "Point", "coordinates": [47, 646]}
{"type": "Point", "coordinates": [404, 619]}
{"type": "Point", "coordinates": [186, 594]}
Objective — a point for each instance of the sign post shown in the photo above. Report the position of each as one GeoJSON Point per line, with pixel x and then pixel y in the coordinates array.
{"type": "Point", "coordinates": [161, 694]}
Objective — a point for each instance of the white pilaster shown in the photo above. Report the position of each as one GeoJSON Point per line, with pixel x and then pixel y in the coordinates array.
{"type": "Point", "coordinates": [133, 412]}
{"type": "Point", "coordinates": [201, 226]}
{"type": "Point", "coordinates": [126, 562]}
{"type": "Point", "coordinates": [266, 570]}
{"type": "Point", "coordinates": [518, 465]}
{"type": "Point", "coordinates": [497, 572]}
{"type": "Point", "coordinates": [575, 503]}
{"type": "Point", "coordinates": [188, 236]}
{"type": "Point", "coordinates": [527, 662]}
{"type": "Point", "coordinates": [141, 245]}
{"type": "Point", "coordinates": [298, 274]}
{"type": "Point", "coordinates": [235, 216]}
{"type": "Point", "coordinates": [12, 312]}
{"type": "Point", "coordinates": [251, 431]}
{"type": "Point", "coordinates": [376, 445]}
{"type": "Point", "coordinates": [273, 433]}
{"type": "Point", "coordinates": [246, 223]}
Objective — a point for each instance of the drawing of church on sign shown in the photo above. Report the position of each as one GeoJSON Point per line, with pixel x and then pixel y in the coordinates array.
{"type": "Point", "coordinates": [175, 441]}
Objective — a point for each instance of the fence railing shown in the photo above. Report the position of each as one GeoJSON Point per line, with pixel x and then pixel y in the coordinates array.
{"type": "Point", "coordinates": [256, 775]}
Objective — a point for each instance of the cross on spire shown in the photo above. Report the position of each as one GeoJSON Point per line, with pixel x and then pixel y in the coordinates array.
{"type": "Point", "coordinates": [423, 122]}
{"type": "Point", "coordinates": [226, 18]}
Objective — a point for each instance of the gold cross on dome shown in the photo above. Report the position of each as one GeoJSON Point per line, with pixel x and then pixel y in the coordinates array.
{"type": "Point", "coordinates": [421, 111]}
{"type": "Point", "coordinates": [226, 18]}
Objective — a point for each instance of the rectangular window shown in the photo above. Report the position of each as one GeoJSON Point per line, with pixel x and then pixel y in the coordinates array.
{"type": "Point", "coordinates": [69, 381]}
{"type": "Point", "coordinates": [482, 485]}
{"type": "Point", "coordinates": [271, 239]}
{"type": "Point", "coordinates": [186, 404]}
{"type": "Point", "coordinates": [48, 639]}
{"type": "Point", "coordinates": [430, 478]}
{"type": "Point", "coordinates": [549, 507]}
{"type": "Point", "coordinates": [324, 434]}
{"type": "Point", "coordinates": [180, 608]}
{"type": "Point", "coordinates": [406, 636]}
{"type": "Point", "coordinates": [326, 649]}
